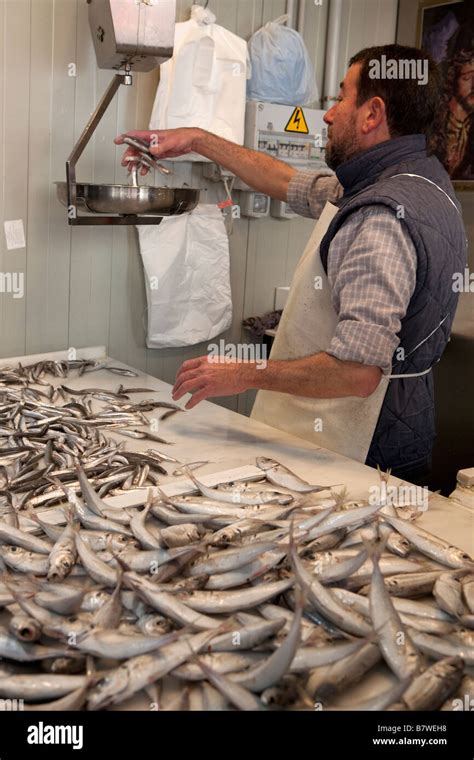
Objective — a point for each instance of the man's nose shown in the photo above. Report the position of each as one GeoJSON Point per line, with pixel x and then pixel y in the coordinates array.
{"type": "Point", "coordinates": [328, 116]}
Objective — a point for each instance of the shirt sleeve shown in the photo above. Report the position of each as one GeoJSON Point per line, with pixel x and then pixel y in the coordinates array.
{"type": "Point", "coordinates": [372, 272]}
{"type": "Point", "coordinates": [309, 191]}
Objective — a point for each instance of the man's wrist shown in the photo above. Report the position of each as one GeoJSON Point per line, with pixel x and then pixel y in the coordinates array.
{"type": "Point", "coordinates": [198, 139]}
{"type": "Point", "coordinates": [252, 375]}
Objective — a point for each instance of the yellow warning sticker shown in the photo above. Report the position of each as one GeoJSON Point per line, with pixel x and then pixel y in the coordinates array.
{"type": "Point", "coordinates": [297, 122]}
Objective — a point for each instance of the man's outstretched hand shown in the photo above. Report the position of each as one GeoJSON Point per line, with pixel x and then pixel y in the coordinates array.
{"type": "Point", "coordinates": [205, 377]}
{"type": "Point", "coordinates": [164, 143]}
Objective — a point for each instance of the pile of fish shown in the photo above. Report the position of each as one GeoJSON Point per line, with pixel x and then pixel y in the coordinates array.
{"type": "Point", "coordinates": [278, 594]}
{"type": "Point", "coordinates": [41, 438]}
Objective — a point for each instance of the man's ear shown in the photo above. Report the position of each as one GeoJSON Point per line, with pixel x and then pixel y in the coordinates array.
{"type": "Point", "coordinates": [376, 115]}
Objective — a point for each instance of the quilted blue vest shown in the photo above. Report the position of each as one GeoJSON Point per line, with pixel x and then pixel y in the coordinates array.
{"type": "Point", "coordinates": [405, 429]}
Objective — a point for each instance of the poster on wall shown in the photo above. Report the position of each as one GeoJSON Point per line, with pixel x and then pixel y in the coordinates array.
{"type": "Point", "coordinates": [446, 32]}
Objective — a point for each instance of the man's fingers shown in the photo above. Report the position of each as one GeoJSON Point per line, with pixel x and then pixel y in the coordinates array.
{"type": "Point", "coordinates": [130, 153]}
{"type": "Point", "coordinates": [142, 134]}
{"type": "Point", "coordinates": [196, 398]}
{"type": "Point", "coordinates": [188, 384]}
{"type": "Point", "coordinates": [191, 386]}
{"type": "Point", "coordinates": [190, 365]}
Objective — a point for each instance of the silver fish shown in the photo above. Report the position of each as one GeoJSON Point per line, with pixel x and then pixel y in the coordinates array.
{"type": "Point", "coordinates": [395, 644]}
{"type": "Point", "coordinates": [434, 547]}
{"type": "Point", "coordinates": [273, 668]}
{"type": "Point", "coordinates": [240, 697]}
{"type": "Point", "coordinates": [95, 567]}
{"type": "Point", "coordinates": [138, 527]}
{"type": "Point", "coordinates": [430, 689]}
{"type": "Point", "coordinates": [231, 559]}
{"type": "Point", "coordinates": [326, 603]}
{"type": "Point", "coordinates": [323, 683]}
{"type": "Point", "coordinates": [25, 628]}
{"type": "Point", "coordinates": [24, 561]}
{"type": "Point", "coordinates": [179, 535]}
{"type": "Point", "coordinates": [170, 605]}
{"type": "Point", "coordinates": [19, 651]}
{"type": "Point", "coordinates": [447, 591]}
{"type": "Point", "coordinates": [307, 658]}
{"type": "Point", "coordinates": [281, 476]}
{"type": "Point", "coordinates": [438, 648]}
{"type": "Point", "coordinates": [37, 687]}
{"type": "Point", "coordinates": [137, 672]}
{"type": "Point", "coordinates": [63, 555]}
{"type": "Point", "coordinates": [221, 602]}
{"type": "Point", "coordinates": [247, 637]}
{"type": "Point", "coordinates": [71, 702]}
{"type": "Point", "coordinates": [108, 615]}
{"type": "Point", "coordinates": [118, 646]}
{"type": "Point", "coordinates": [237, 497]}
{"type": "Point", "coordinates": [16, 537]}
{"type": "Point", "coordinates": [221, 662]}
{"type": "Point", "coordinates": [467, 584]}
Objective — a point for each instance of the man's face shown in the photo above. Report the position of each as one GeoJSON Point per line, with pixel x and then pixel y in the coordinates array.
{"type": "Point", "coordinates": [343, 136]}
{"type": "Point", "coordinates": [465, 87]}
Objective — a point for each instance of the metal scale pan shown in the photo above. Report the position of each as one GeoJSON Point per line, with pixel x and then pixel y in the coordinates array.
{"type": "Point", "coordinates": [127, 200]}
{"type": "Point", "coordinates": [130, 36]}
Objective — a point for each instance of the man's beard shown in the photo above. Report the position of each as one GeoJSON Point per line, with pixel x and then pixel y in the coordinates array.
{"type": "Point", "coordinates": [346, 147]}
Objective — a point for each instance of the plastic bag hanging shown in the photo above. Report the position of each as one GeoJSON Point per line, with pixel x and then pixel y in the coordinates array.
{"type": "Point", "coordinates": [282, 71]}
{"type": "Point", "coordinates": [204, 83]}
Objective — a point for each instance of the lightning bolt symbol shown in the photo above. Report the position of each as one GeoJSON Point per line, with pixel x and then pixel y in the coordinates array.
{"type": "Point", "coordinates": [297, 119]}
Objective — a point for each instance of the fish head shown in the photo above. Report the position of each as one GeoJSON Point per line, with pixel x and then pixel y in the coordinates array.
{"type": "Point", "coordinates": [14, 552]}
{"type": "Point", "coordinates": [61, 567]}
{"type": "Point", "coordinates": [265, 463]}
{"type": "Point", "coordinates": [25, 628]}
{"type": "Point", "coordinates": [108, 687]}
{"type": "Point", "coordinates": [117, 542]}
{"type": "Point", "coordinates": [461, 558]}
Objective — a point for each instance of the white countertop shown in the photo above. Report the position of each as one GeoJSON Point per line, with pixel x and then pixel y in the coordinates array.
{"type": "Point", "coordinates": [229, 440]}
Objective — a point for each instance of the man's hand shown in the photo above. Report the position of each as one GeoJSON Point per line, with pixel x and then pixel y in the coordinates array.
{"type": "Point", "coordinates": [207, 377]}
{"type": "Point", "coordinates": [165, 143]}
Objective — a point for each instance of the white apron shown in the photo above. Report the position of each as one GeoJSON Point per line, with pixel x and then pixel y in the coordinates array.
{"type": "Point", "coordinates": [308, 323]}
{"type": "Point", "coordinates": [307, 326]}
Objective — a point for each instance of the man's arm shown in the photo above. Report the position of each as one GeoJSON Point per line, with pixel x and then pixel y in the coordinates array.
{"type": "Point", "coordinates": [256, 169]}
{"type": "Point", "coordinates": [317, 376]}
{"type": "Point", "coordinates": [372, 271]}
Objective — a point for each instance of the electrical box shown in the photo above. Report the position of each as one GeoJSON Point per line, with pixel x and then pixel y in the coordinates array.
{"type": "Point", "coordinates": [281, 210]}
{"type": "Point", "coordinates": [294, 135]}
{"type": "Point", "coordinates": [255, 205]}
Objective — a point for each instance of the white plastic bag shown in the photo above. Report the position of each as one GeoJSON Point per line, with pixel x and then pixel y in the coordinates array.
{"type": "Point", "coordinates": [204, 83]}
{"type": "Point", "coordinates": [282, 71]}
{"type": "Point", "coordinates": [186, 265]}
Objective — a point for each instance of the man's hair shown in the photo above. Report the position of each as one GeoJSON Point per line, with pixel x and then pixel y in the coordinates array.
{"type": "Point", "coordinates": [411, 107]}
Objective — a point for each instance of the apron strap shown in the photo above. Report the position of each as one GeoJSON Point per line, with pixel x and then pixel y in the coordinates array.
{"type": "Point", "coordinates": [420, 176]}
{"type": "Point", "coordinates": [425, 372]}
{"type": "Point", "coordinates": [414, 374]}
{"type": "Point", "coordinates": [420, 374]}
